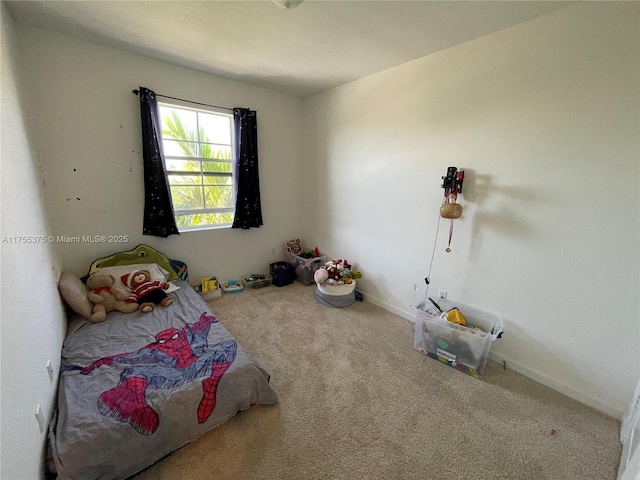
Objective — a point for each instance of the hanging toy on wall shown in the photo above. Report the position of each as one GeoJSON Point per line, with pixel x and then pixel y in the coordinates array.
{"type": "Point", "coordinates": [452, 185]}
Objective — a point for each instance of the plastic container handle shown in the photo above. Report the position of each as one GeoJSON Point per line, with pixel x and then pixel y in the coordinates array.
{"type": "Point", "coordinates": [498, 328]}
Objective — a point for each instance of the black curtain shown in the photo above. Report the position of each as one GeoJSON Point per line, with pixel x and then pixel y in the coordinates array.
{"type": "Point", "coordinates": [159, 218]}
{"type": "Point", "coordinates": [248, 208]}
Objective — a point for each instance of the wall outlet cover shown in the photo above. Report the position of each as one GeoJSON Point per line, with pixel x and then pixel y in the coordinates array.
{"type": "Point", "coordinates": [40, 418]}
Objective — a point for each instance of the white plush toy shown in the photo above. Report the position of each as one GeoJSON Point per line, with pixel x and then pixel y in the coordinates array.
{"type": "Point", "coordinates": [320, 276]}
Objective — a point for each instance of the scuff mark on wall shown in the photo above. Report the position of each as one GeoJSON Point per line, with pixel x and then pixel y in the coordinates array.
{"type": "Point", "coordinates": [40, 164]}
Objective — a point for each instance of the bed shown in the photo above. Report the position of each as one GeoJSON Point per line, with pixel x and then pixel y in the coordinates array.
{"type": "Point", "coordinates": [141, 385]}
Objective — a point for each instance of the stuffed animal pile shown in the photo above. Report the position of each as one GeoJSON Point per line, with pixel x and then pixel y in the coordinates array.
{"type": "Point", "coordinates": [335, 272]}
{"type": "Point", "coordinates": [137, 291]}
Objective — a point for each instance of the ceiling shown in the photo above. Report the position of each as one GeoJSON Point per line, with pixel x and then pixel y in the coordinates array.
{"type": "Point", "coordinates": [314, 47]}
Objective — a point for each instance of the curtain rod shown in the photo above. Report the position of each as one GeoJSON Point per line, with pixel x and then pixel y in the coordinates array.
{"type": "Point", "coordinates": [188, 101]}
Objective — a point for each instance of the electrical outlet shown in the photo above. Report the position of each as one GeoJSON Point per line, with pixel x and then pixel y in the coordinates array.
{"type": "Point", "coordinates": [442, 294]}
{"type": "Point", "coordinates": [49, 370]}
{"type": "Point", "coordinates": [40, 418]}
{"type": "Point", "coordinates": [273, 249]}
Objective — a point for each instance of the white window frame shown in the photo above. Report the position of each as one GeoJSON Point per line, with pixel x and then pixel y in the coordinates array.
{"type": "Point", "coordinates": [215, 111]}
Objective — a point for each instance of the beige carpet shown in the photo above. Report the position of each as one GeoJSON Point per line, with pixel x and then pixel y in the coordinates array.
{"type": "Point", "coordinates": [357, 402]}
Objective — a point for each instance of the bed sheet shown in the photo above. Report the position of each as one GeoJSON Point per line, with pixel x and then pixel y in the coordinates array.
{"type": "Point", "coordinates": [141, 385]}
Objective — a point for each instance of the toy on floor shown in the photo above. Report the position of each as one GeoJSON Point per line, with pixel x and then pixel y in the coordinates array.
{"type": "Point", "coordinates": [106, 297]}
{"type": "Point", "coordinates": [232, 286]}
{"type": "Point", "coordinates": [146, 292]}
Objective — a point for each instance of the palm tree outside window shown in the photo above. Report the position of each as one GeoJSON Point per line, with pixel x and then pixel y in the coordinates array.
{"type": "Point", "coordinates": [198, 151]}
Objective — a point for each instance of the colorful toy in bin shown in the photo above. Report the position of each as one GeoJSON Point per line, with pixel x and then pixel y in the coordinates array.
{"type": "Point", "coordinates": [315, 253]}
{"type": "Point", "coordinates": [336, 272]}
{"type": "Point", "coordinates": [336, 285]}
{"type": "Point", "coordinates": [232, 286]}
{"type": "Point", "coordinates": [257, 280]}
{"type": "Point", "coordinates": [209, 284]}
{"type": "Point", "coordinates": [442, 336]}
{"type": "Point", "coordinates": [294, 246]}
{"type": "Point", "coordinates": [209, 288]}
{"type": "Point", "coordinates": [455, 316]}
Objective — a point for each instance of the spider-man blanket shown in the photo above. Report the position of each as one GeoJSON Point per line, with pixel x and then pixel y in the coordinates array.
{"type": "Point", "coordinates": [141, 385]}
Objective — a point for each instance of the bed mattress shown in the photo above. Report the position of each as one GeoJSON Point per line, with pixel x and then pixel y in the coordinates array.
{"type": "Point", "coordinates": [141, 385]}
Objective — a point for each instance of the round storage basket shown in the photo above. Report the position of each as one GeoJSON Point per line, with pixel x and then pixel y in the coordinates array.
{"type": "Point", "coordinates": [337, 296]}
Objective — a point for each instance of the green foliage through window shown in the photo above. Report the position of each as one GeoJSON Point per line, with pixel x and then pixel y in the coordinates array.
{"type": "Point", "coordinates": [197, 146]}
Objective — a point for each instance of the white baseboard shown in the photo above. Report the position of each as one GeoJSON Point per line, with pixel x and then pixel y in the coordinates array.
{"type": "Point", "coordinates": [558, 387]}
{"type": "Point", "coordinates": [390, 308]}
{"type": "Point", "coordinates": [521, 369]}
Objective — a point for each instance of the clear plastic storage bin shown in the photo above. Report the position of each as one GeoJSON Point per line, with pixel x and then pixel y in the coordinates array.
{"type": "Point", "coordinates": [305, 267]}
{"type": "Point", "coordinates": [257, 280]}
{"type": "Point", "coordinates": [465, 348]}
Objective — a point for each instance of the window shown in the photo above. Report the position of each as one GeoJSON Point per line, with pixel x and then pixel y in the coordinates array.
{"type": "Point", "coordinates": [198, 149]}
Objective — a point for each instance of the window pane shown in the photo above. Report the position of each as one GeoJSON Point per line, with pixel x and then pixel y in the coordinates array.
{"type": "Point", "coordinates": [179, 124]}
{"type": "Point", "coordinates": [215, 151]}
{"type": "Point", "coordinates": [205, 219]}
{"type": "Point", "coordinates": [185, 180]}
{"type": "Point", "coordinates": [217, 128]}
{"type": "Point", "coordinates": [217, 167]}
{"type": "Point", "coordinates": [183, 165]}
{"type": "Point", "coordinates": [173, 148]}
{"type": "Point", "coordinates": [198, 134]}
{"type": "Point", "coordinates": [212, 180]}
{"type": "Point", "coordinates": [217, 197]}
{"type": "Point", "coordinates": [186, 198]}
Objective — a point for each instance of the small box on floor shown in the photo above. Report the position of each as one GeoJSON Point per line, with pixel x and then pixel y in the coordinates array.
{"type": "Point", "coordinates": [232, 286]}
{"type": "Point", "coordinates": [282, 273]}
{"type": "Point", "coordinates": [464, 347]}
{"type": "Point", "coordinates": [209, 295]}
{"type": "Point", "coordinates": [257, 280]}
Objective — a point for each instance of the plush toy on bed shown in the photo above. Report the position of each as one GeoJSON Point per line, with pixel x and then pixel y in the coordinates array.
{"type": "Point", "coordinates": [106, 297]}
{"type": "Point", "coordinates": [146, 292]}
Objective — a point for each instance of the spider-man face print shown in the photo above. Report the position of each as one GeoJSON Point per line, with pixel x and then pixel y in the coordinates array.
{"type": "Point", "coordinates": [167, 335]}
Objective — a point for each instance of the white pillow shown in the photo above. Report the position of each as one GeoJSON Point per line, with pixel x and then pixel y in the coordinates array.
{"type": "Point", "coordinates": [74, 292]}
{"type": "Point", "coordinates": [156, 271]}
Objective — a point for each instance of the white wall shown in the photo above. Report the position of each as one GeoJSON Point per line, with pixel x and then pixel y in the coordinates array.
{"type": "Point", "coordinates": [33, 322]}
{"type": "Point", "coordinates": [543, 118]}
{"type": "Point", "coordinates": [87, 123]}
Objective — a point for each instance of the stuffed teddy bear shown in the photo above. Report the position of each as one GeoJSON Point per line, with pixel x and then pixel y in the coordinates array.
{"type": "Point", "coordinates": [146, 292]}
{"type": "Point", "coordinates": [106, 297]}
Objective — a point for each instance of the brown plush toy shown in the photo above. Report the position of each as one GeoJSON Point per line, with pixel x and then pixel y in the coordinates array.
{"type": "Point", "coordinates": [106, 298]}
{"type": "Point", "coordinates": [145, 291]}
